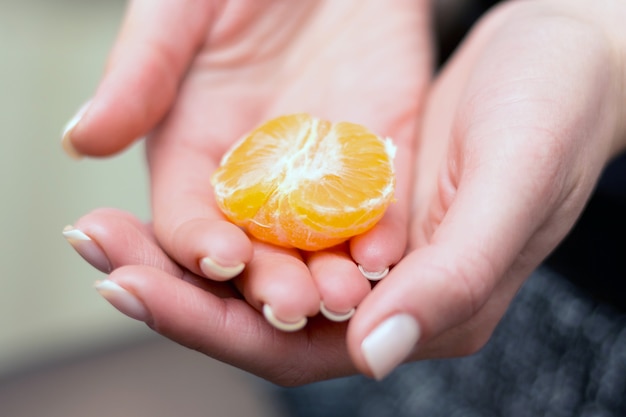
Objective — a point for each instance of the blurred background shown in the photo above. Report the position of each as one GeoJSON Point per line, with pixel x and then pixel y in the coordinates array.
{"type": "Point", "coordinates": [64, 351]}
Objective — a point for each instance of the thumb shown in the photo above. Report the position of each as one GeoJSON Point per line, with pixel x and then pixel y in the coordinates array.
{"type": "Point", "coordinates": [431, 291]}
{"type": "Point", "coordinates": [493, 232]}
{"type": "Point", "coordinates": [157, 41]}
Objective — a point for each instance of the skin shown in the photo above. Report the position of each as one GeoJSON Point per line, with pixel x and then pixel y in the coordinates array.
{"type": "Point", "coordinates": [515, 133]}
{"type": "Point", "coordinates": [240, 63]}
{"type": "Point", "coordinates": [508, 156]}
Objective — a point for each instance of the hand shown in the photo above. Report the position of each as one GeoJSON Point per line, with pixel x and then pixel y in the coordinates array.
{"type": "Point", "coordinates": [195, 75]}
{"type": "Point", "coordinates": [508, 156]}
{"type": "Point", "coordinates": [516, 132]}
{"type": "Point", "coordinates": [205, 315]}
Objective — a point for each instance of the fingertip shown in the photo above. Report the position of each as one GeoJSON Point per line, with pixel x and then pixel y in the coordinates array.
{"type": "Point", "coordinates": [290, 293]}
{"type": "Point", "coordinates": [279, 284]}
{"type": "Point", "coordinates": [239, 240]}
{"type": "Point", "coordinates": [285, 326]}
{"type": "Point", "coordinates": [219, 272]}
{"type": "Point", "coordinates": [103, 127]}
{"type": "Point", "coordinates": [228, 250]}
{"type": "Point", "coordinates": [389, 344]}
{"type": "Point", "coordinates": [339, 283]}
{"type": "Point", "coordinates": [110, 238]}
{"type": "Point", "coordinates": [213, 248]}
{"type": "Point", "coordinates": [385, 244]}
{"type": "Point", "coordinates": [376, 251]}
{"type": "Point", "coordinates": [384, 333]}
{"type": "Point", "coordinates": [123, 300]}
{"type": "Point", "coordinates": [100, 129]}
{"type": "Point", "coordinates": [335, 316]}
{"type": "Point", "coordinates": [373, 275]}
{"type": "Point", "coordinates": [66, 136]}
{"type": "Point", "coordinates": [87, 248]}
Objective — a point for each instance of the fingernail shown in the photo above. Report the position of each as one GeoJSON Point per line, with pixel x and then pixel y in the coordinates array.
{"type": "Point", "coordinates": [333, 316]}
{"type": "Point", "coordinates": [217, 271]}
{"type": "Point", "coordinates": [123, 300]}
{"type": "Point", "coordinates": [282, 325]}
{"type": "Point", "coordinates": [389, 344]}
{"type": "Point", "coordinates": [87, 248]}
{"type": "Point", "coordinates": [374, 276]}
{"type": "Point", "coordinates": [66, 141]}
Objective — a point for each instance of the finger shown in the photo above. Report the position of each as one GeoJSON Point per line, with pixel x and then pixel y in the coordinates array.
{"type": "Point", "coordinates": [153, 50]}
{"type": "Point", "coordinates": [339, 282]}
{"type": "Point", "coordinates": [278, 283]}
{"type": "Point", "coordinates": [111, 238]}
{"type": "Point", "coordinates": [377, 250]}
{"type": "Point", "coordinates": [187, 222]}
{"type": "Point", "coordinates": [384, 245]}
{"type": "Point", "coordinates": [441, 285]}
{"type": "Point", "coordinates": [226, 329]}
{"type": "Point", "coordinates": [193, 317]}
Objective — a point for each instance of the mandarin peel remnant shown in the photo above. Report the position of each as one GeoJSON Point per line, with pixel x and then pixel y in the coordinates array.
{"type": "Point", "coordinates": [299, 181]}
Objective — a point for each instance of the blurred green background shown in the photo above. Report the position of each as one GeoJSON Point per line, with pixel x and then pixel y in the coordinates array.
{"type": "Point", "coordinates": [60, 343]}
{"type": "Point", "coordinates": [52, 54]}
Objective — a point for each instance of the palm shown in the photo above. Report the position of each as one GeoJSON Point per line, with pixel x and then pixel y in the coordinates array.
{"type": "Point", "coordinates": [356, 61]}
{"type": "Point", "coordinates": [339, 60]}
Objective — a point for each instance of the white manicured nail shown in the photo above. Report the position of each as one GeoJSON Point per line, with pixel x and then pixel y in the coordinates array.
{"type": "Point", "coordinates": [389, 344]}
{"type": "Point", "coordinates": [374, 276]}
{"type": "Point", "coordinates": [87, 248]}
{"type": "Point", "coordinates": [219, 272]}
{"type": "Point", "coordinates": [123, 300]}
{"type": "Point", "coordinates": [66, 141]}
{"type": "Point", "coordinates": [338, 317]}
{"type": "Point", "coordinates": [282, 325]}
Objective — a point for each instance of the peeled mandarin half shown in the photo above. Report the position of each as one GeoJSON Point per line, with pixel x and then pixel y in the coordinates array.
{"type": "Point", "coordinates": [298, 181]}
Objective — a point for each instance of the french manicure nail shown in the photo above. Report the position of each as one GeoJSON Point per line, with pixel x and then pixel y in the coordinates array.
{"type": "Point", "coordinates": [217, 271]}
{"type": "Point", "coordinates": [374, 275]}
{"type": "Point", "coordinates": [333, 316]}
{"type": "Point", "coordinates": [389, 344]}
{"type": "Point", "coordinates": [66, 141]}
{"type": "Point", "coordinates": [123, 300]}
{"type": "Point", "coordinates": [87, 248]}
{"type": "Point", "coordinates": [282, 325]}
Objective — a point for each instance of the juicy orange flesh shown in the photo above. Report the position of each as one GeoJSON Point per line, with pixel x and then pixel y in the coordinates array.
{"type": "Point", "coordinates": [298, 181]}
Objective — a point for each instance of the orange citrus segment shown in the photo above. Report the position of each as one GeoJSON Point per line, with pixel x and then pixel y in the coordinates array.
{"type": "Point", "coordinates": [298, 181]}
